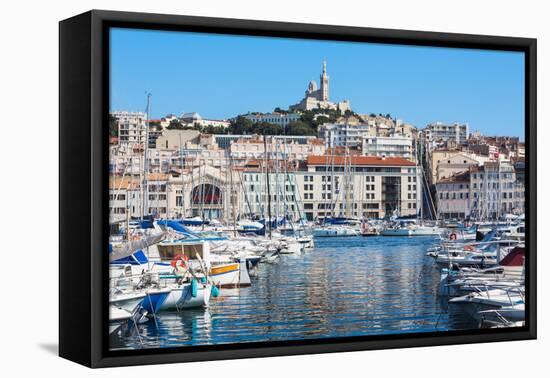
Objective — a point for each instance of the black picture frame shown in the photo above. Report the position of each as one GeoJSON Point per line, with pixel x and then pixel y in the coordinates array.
{"type": "Point", "coordinates": [83, 196]}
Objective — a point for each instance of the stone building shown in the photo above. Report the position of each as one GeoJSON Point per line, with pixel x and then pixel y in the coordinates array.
{"type": "Point", "coordinates": [453, 196]}
{"type": "Point", "coordinates": [318, 97]}
{"type": "Point", "coordinates": [454, 164]}
{"type": "Point", "coordinates": [176, 139]}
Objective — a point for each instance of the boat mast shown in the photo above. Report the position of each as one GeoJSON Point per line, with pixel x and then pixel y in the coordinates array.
{"type": "Point", "coordinates": [233, 205]}
{"type": "Point", "coordinates": [277, 186]}
{"type": "Point", "coordinates": [325, 184]}
{"type": "Point", "coordinates": [145, 152]}
{"type": "Point", "coordinates": [182, 179]}
{"type": "Point", "coordinates": [268, 189]}
{"type": "Point", "coordinates": [333, 188]}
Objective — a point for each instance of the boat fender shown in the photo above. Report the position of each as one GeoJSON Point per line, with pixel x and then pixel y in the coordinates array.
{"type": "Point", "coordinates": [215, 291]}
{"type": "Point", "coordinates": [194, 287]}
{"type": "Point", "coordinates": [203, 280]}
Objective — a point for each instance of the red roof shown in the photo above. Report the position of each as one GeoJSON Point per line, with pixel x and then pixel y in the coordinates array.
{"type": "Point", "coordinates": [358, 160]}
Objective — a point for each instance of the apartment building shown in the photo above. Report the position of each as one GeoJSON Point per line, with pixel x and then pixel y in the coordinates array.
{"type": "Point", "coordinates": [453, 196]}
{"type": "Point", "coordinates": [391, 146]}
{"type": "Point", "coordinates": [280, 119]}
{"type": "Point", "coordinates": [488, 191]}
{"type": "Point", "coordinates": [132, 128]}
{"type": "Point", "coordinates": [344, 134]}
{"type": "Point", "coordinates": [439, 132]}
{"type": "Point", "coordinates": [496, 190]}
{"type": "Point", "coordinates": [277, 148]}
{"type": "Point", "coordinates": [358, 186]}
{"type": "Point", "coordinates": [456, 163]}
{"type": "Point", "coordinates": [283, 194]}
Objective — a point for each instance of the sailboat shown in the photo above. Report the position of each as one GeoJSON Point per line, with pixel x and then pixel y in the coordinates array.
{"type": "Point", "coordinates": [415, 227]}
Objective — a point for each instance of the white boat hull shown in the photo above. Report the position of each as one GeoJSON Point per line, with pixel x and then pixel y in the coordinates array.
{"type": "Point", "coordinates": [127, 302]}
{"type": "Point", "coordinates": [225, 275]}
{"type": "Point", "coordinates": [334, 232]}
{"type": "Point", "coordinates": [417, 231]}
{"type": "Point", "coordinates": [292, 248]}
{"type": "Point", "coordinates": [476, 303]}
{"type": "Point", "coordinates": [181, 297]}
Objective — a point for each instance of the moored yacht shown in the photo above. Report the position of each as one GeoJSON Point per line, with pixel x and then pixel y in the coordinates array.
{"type": "Point", "coordinates": [334, 231]}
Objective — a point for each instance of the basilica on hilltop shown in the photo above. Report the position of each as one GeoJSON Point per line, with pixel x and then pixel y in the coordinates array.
{"type": "Point", "coordinates": [316, 98]}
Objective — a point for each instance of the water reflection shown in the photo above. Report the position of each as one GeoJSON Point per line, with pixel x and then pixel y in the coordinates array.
{"type": "Point", "coordinates": [344, 287]}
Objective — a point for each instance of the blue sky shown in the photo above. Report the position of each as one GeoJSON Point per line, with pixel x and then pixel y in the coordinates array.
{"type": "Point", "coordinates": [221, 76]}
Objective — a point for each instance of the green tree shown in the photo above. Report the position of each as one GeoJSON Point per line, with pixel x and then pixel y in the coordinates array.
{"type": "Point", "coordinates": [308, 116]}
{"type": "Point", "coordinates": [316, 117]}
{"type": "Point", "coordinates": [322, 119]}
{"type": "Point", "coordinates": [300, 128]}
{"type": "Point", "coordinates": [240, 125]}
{"type": "Point", "coordinates": [266, 128]}
{"type": "Point", "coordinates": [280, 111]}
{"type": "Point", "coordinates": [175, 124]}
{"type": "Point", "coordinates": [210, 129]}
{"type": "Point", "coordinates": [113, 126]}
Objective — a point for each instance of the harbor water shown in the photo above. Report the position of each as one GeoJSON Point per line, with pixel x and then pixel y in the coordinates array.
{"type": "Point", "coordinates": [352, 286]}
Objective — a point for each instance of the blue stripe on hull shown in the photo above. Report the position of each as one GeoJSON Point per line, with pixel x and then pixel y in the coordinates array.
{"type": "Point", "coordinates": [152, 302]}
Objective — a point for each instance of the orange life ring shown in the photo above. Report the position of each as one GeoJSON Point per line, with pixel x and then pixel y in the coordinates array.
{"type": "Point", "coordinates": [180, 261]}
{"type": "Point", "coordinates": [453, 236]}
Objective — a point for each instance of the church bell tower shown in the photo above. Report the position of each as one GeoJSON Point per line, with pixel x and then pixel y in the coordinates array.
{"type": "Point", "coordinates": [324, 83]}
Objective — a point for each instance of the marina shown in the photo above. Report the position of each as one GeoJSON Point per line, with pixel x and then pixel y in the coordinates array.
{"type": "Point", "coordinates": [343, 286]}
